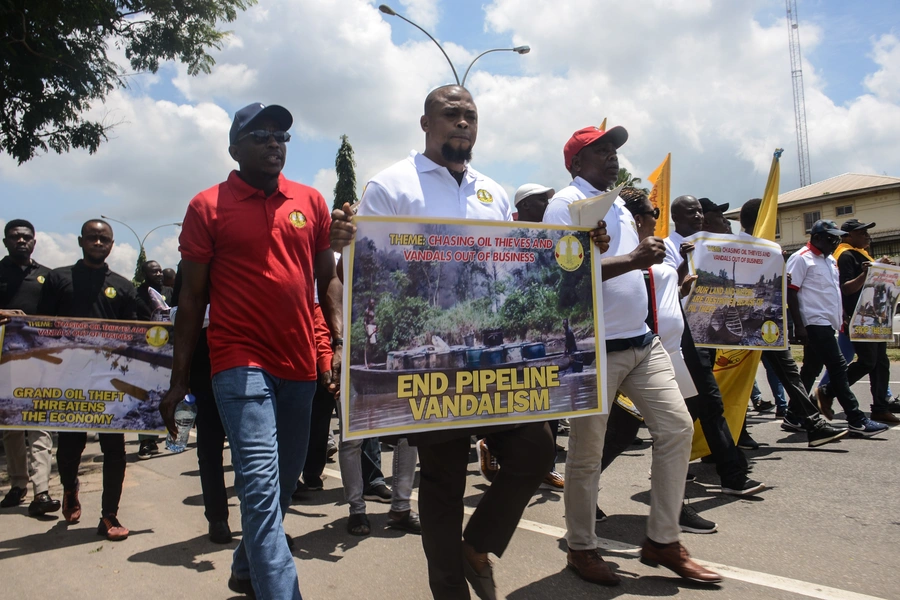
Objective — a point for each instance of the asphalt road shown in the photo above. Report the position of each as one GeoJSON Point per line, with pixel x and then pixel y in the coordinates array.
{"type": "Point", "coordinates": [827, 527]}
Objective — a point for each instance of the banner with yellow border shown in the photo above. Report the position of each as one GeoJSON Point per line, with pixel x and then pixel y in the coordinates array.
{"type": "Point", "coordinates": [873, 319]}
{"type": "Point", "coordinates": [452, 323]}
{"type": "Point", "coordinates": [66, 374]}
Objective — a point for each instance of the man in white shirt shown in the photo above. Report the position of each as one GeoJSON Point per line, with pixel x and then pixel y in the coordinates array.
{"type": "Point", "coordinates": [636, 363]}
{"type": "Point", "coordinates": [814, 298]}
{"type": "Point", "coordinates": [440, 183]}
{"type": "Point", "coordinates": [688, 218]}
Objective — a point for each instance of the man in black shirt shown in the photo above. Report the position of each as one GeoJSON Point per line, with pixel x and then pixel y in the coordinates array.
{"type": "Point", "coordinates": [20, 289]}
{"type": "Point", "coordinates": [148, 310]}
{"type": "Point", "coordinates": [871, 357]}
{"type": "Point", "coordinates": [89, 289]}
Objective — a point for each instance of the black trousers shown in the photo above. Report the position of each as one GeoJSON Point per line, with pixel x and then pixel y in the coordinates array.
{"type": "Point", "coordinates": [871, 360]}
{"type": "Point", "coordinates": [525, 454]}
{"type": "Point", "coordinates": [782, 363]}
{"type": "Point", "coordinates": [319, 424]}
{"type": "Point", "coordinates": [69, 448]}
{"type": "Point", "coordinates": [210, 450]}
{"type": "Point", "coordinates": [708, 408]}
{"type": "Point", "coordinates": [821, 350]}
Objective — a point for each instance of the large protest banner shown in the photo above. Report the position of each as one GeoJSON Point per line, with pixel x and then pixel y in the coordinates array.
{"type": "Point", "coordinates": [873, 318]}
{"type": "Point", "coordinates": [469, 323]}
{"type": "Point", "coordinates": [738, 298]}
{"type": "Point", "coordinates": [59, 373]}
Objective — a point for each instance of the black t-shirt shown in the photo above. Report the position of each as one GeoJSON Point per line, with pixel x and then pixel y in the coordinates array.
{"type": "Point", "coordinates": [849, 267]}
{"type": "Point", "coordinates": [79, 291]}
{"type": "Point", "coordinates": [21, 288]}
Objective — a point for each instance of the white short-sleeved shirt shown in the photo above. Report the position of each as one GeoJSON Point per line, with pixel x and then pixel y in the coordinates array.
{"type": "Point", "coordinates": [625, 296]}
{"type": "Point", "coordinates": [673, 249]}
{"type": "Point", "coordinates": [419, 187]}
{"type": "Point", "coordinates": [815, 277]}
{"type": "Point", "coordinates": [669, 319]}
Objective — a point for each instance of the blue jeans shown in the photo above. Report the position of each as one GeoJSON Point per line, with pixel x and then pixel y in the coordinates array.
{"type": "Point", "coordinates": [774, 382]}
{"type": "Point", "coordinates": [267, 423]}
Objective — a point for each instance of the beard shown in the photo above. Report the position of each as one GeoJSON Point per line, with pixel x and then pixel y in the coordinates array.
{"type": "Point", "coordinates": [456, 155]}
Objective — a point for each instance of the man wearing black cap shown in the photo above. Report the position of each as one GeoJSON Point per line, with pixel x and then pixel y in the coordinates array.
{"type": "Point", "coordinates": [273, 232]}
{"type": "Point", "coordinates": [814, 299]}
{"type": "Point", "coordinates": [714, 220]}
{"type": "Point", "coordinates": [871, 357]}
{"type": "Point", "coordinates": [637, 364]}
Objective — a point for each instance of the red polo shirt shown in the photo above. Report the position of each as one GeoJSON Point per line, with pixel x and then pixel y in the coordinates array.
{"type": "Point", "coordinates": [260, 253]}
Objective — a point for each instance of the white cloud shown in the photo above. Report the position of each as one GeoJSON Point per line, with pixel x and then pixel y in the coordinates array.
{"type": "Point", "coordinates": [325, 181]}
{"type": "Point", "coordinates": [704, 80]}
{"type": "Point", "coordinates": [61, 249]}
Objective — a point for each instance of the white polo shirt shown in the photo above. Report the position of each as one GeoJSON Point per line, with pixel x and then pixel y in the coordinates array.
{"type": "Point", "coordinates": [815, 277]}
{"type": "Point", "coordinates": [673, 249]}
{"type": "Point", "coordinates": [668, 317]}
{"type": "Point", "coordinates": [625, 296]}
{"type": "Point", "coordinates": [419, 187]}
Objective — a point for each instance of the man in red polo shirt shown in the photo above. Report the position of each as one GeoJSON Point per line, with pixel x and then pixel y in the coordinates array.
{"type": "Point", "coordinates": [254, 244]}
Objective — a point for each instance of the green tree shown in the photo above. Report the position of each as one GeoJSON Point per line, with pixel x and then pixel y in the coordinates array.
{"type": "Point", "coordinates": [345, 166]}
{"type": "Point", "coordinates": [138, 278]}
{"type": "Point", "coordinates": [54, 62]}
{"type": "Point", "coordinates": [629, 180]}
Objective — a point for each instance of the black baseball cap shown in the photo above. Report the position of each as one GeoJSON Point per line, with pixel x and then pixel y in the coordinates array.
{"type": "Point", "coordinates": [709, 206]}
{"type": "Point", "coordinates": [854, 225]}
{"type": "Point", "coordinates": [257, 110]}
{"type": "Point", "coordinates": [829, 227]}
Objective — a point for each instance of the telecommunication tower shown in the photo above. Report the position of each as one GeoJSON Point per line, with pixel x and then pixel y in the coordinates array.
{"type": "Point", "coordinates": [799, 100]}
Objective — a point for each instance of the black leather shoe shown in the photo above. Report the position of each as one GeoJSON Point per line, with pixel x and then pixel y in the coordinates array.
{"type": "Point", "coordinates": [42, 504]}
{"type": "Point", "coordinates": [14, 497]}
{"type": "Point", "coordinates": [219, 532]}
{"type": "Point", "coordinates": [241, 586]}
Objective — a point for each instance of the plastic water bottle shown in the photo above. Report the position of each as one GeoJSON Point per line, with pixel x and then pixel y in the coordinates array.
{"type": "Point", "coordinates": [185, 414]}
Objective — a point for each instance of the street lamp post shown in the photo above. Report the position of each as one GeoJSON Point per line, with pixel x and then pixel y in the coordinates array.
{"type": "Point", "coordinates": [136, 236]}
{"type": "Point", "coordinates": [518, 49]}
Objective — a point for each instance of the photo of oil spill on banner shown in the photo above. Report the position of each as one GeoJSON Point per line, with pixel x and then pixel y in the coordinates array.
{"type": "Point", "coordinates": [873, 318]}
{"type": "Point", "coordinates": [738, 300]}
{"type": "Point", "coordinates": [60, 373]}
{"type": "Point", "coordinates": [453, 324]}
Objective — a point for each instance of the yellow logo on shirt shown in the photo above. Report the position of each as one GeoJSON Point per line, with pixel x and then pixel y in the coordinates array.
{"type": "Point", "coordinates": [298, 219]}
{"type": "Point", "coordinates": [157, 336]}
{"type": "Point", "coordinates": [110, 292]}
{"type": "Point", "coordinates": [41, 279]}
{"type": "Point", "coordinates": [769, 332]}
{"type": "Point", "coordinates": [569, 253]}
{"type": "Point", "coordinates": [484, 197]}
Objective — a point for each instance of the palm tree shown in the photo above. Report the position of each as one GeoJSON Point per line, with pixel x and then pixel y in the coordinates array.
{"type": "Point", "coordinates": [629, 180]}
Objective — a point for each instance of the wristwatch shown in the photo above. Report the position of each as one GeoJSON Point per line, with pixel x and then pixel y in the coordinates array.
{"type": "Point", "coordinates": [335, 342]}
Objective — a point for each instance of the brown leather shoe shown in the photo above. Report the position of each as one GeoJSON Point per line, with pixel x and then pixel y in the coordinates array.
{"type": "Point", "coordinates": [825, 403]}
{"type": "Point", "coordinates": [590, 566]}
{"type": "Point", "coordinates": [674, 556]}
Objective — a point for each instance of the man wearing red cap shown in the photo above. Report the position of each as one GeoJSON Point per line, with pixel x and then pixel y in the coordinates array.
{"type": "Point", "coordinates": [637, 364]}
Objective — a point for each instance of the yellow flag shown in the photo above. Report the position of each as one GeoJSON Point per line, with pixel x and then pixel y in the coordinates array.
{"type": "Point", "coordinates": [660, 198]}
{"type": "Point", "coordinates": [735, 370]}
{"type": "Point", "coordinates": [768, 210]}
{"type": "Point", "coordinates": [603, 125]}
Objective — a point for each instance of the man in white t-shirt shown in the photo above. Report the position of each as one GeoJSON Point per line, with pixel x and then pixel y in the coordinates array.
{"type": "Point", "coordinates": [636, 363]}
{"type": "Point", "coordinates": [688, 218]}
{"type": "Point", "coordinates": [440, 183]}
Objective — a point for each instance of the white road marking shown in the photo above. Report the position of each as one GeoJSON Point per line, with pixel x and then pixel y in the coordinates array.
{"type": "Point", "coordinates": [803, 588]}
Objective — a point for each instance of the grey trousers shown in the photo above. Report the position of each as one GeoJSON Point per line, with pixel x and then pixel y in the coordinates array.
{"type": "Point", "coordinates": [24, 447]}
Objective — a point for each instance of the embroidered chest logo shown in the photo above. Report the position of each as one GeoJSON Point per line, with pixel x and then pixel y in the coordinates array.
{"type": "Point", "coordinates": [484, 197]}
{"type": "Point", "coordinates": [298, 219]}
{"type": "Point", "coordinates": [110, 292]}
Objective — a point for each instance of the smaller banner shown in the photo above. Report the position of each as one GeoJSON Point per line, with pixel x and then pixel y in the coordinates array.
{"type": "Point", "coordinates": [468, 323]}
{"type": "Point", "coordinates": [66, 374]}
{"type": "Point", "coordinates": [874, 315]}
{"type": "Point", "coordinates": [738, 298]}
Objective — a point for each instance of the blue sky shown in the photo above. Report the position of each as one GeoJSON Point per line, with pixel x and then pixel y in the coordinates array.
{"type": "Point", "coordinates": [709, 82]}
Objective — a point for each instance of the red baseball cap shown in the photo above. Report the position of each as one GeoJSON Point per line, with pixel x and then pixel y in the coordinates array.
{"type": "Point", "coordinates": [588, 135]}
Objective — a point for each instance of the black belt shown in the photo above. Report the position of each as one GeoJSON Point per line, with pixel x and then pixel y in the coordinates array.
{"type": "Point", "coordinates": [639, 341]}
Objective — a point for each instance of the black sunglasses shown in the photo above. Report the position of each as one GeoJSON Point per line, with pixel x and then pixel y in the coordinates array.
{"type": "Point", "coordinates": [261, 136]}
{"type": "Point", "coordinates": [654, 212]}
